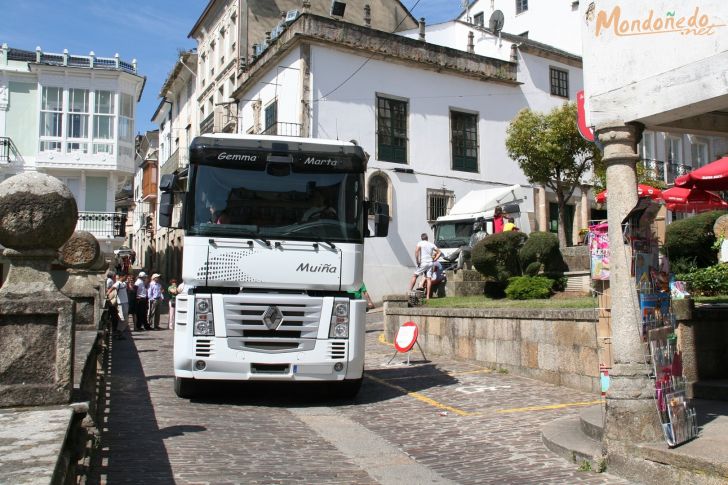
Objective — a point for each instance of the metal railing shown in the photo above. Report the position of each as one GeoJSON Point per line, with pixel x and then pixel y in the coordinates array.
{"type": "Point", "coordinates": [102, 224]}
{"type": "Point", "coordinates": [283, 129]}
{"type": "Point", "coordinates": [8, 151]}
{"type": "Point", "coordinates": [664, 171]}
{"type": "Point", "coordinates": [72, 60]}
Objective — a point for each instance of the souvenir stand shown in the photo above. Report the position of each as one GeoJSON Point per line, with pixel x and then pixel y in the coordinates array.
{"type": "Point", "coordinates": [657, 326]}
{"type": "Point", "coordinates": [657, 323]}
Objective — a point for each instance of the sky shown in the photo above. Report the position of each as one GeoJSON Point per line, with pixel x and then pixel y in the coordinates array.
{"type": "Point", "coordinates": [150, 31]}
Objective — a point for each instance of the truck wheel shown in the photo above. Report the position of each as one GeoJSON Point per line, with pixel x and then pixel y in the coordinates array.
{"type": "Point", "coordinates": [185, 387]}
{"type": "Point", "coordinates": [347, 389]}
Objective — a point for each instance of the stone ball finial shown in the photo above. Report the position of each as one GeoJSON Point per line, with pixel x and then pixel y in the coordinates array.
{"type": "Point", "coordinates": [720, 228]}
{"type": "Point", "coordinates": [37, 211]}
{"type": "Point", "coordinates": [80, 251]}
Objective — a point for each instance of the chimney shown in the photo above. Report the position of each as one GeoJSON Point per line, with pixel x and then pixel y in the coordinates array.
{"type": "Point", "coordinates": [422, 29]}
{"type": "Point", "coordinates": [514, 52]}
{"type": "Point", "coordinates": [267, 37]}
{"type": "Point", "coordinates": [471, 42]}
{"type": "Point", "coordinates": [306, 6]}
{"type": "Point", "coordinates": [367, 15]}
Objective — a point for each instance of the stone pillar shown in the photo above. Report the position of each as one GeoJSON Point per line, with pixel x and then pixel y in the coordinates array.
{"type": "Point", "coordinates": [631, 412]}
{"type": "Point", "coordinates": [78, 254]}
{"type": "Point", "coordinates": [585, 207]}
{"type": "Point", "coordinates": [37, 215]}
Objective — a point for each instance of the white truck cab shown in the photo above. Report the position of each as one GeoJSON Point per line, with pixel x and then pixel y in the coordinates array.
{"type": "Point", "coordinates": [274, 239]}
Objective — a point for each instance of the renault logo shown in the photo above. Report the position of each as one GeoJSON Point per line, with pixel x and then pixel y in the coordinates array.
{"type": "Point", "coordinates": [272, 317]}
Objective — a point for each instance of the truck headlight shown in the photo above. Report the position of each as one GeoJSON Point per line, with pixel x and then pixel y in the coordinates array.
{"type": "Point", "coordinates": [340, 319]}
{"type": "Point", "coordinates": [204, 321]}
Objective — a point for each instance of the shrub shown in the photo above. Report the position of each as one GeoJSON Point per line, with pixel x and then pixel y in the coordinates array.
{"type": "Point", "coordinates": [543, 248]}
{"type": "Point", "coordinates": [689, 242]}
{"type": "Point", "coordinates": [707, 281]}
{"type": "Point", "coordinates": [529, 287]}
{"type": "Point", "coordinates": [496, 256]}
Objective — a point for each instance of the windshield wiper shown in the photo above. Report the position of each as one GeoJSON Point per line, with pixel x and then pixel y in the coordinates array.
{"type": "Point", "coordinates": [330, 244]}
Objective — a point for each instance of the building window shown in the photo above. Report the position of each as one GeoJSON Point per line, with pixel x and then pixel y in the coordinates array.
{"type": "Point", "coordinates": [559, 82]}
{"type": "Point", "coordinates": [464, 140]}
{"type": "Point", "coordinates": [104, 115]}
{"type": "Point", "coordinates": [51, 114]}
{"type": "Point", "coordinates": [521, 6]}
{"type": "Point", "coordinates": [673, 150]}
{"type": "Point", "coordinates": [647, 147]}
{"type": "Point", "coordinates": [126, 117]}
{"type": "Point", "coordinates": [77, 120]}
{"type": "Point", "coordinates": [554, 219]}
{"type": "Point", "coordinates": [271, 117]}
{"type": "Point", "coordinates": [391, 130]}
{"type": "Point", "coordinates": [439, 201]}
{"type": "Point", "coordinates": [699, 153]}
{"type": "Point", "coordinates": [378, 191]}
{"type": "Point", "coordinates": [479, 19]}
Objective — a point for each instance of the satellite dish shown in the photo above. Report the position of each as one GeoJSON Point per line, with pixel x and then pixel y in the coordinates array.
{"type": "Point", "coordinates": [496, 21]}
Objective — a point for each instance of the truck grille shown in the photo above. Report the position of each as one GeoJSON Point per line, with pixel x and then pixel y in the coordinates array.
{"type": "Point", "coordinates": [297, 331]}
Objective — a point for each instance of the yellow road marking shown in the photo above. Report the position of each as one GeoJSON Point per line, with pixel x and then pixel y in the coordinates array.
{"type": "Point", "coordinates": [548, 407]}
{"type": "Point", "coordinates": [420, 397]}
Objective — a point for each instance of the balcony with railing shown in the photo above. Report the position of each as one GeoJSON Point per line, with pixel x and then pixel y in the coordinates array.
{"type": "Point", "coordinates": [70, 60]}
{"type": "Point", "coordinates": [175, 162]}
{"type": "Point", "coordinates": [664, 171]}
{"type": "Point", "coordinates": [283, 129]}
{"type": "Point", "coordinates": [207, 125]}
{"type": "Point", "coordinates": [103, 225]}
{"type": "Point", "coordinates": [8, 151]}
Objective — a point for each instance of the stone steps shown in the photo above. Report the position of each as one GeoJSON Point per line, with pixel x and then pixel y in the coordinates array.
{"type": "Point", "coordinates": [703, 460]}
{"type": "Point", "coordinates": [573, 438]}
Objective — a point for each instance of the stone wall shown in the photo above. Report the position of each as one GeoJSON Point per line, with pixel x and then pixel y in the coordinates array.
{"type": "Point", "coordinates": [555, 346]}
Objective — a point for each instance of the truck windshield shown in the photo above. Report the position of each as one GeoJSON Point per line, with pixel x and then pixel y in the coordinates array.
{"type": "Point", "coordinates": [277, 203]}
{"type": "Point", "coordinates": [453, 234]}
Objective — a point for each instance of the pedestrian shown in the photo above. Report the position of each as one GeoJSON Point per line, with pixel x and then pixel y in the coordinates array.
{"type": "Point", "coordinates": [498, 220]}
{"type": "Point", "coordinates": [142, 304]}
{"type": "Point", "coordinates": [131, 297]}
{"type": "Point", "coordinates": [110, 279]}
{"type": "Point", "coordinates": [156, 297]}
{"type": "Point", "coordinates": [425, 253]}
{"type": "Point", "coordinates": [362, 294]}
{"type": "Point", "coordinates": [122, 306]}
{"type": "Point", "coordinates": [172, 291]}
{"type": "Point", "coordinates": [112, 302]}
{"type": "Point", "coordinates": [510, 225]}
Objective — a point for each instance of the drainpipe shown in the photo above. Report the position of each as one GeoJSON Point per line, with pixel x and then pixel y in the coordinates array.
{"type": "Point", "coordinates": [422, 29]}
{"type": "Point", "coordinates": [367, 15]}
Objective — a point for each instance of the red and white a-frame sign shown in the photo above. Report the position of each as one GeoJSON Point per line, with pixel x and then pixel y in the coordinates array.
{"type": "Point", "coordinates": [406, 339]}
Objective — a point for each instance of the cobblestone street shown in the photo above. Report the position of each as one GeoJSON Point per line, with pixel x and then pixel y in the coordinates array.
{"type": "Point", "coordinates": [443, 421]}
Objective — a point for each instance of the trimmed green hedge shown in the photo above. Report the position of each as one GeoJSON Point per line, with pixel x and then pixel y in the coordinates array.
{"type": "Point", "coordinates": [709, 281]}
{"type": "Point", "coordinates": [541, 253]}
{"type": "Point", "coordinates": [496, 256]}
{"type": "Point", "coordinates": [689, 242]}
{"type": "Point", "coordinates": [529, 287]}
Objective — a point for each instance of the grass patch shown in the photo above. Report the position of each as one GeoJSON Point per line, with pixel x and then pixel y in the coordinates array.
{"type": "Point", "coordinates": [484, 302]}
{"type": "Point", "coordinates": [712, 299]}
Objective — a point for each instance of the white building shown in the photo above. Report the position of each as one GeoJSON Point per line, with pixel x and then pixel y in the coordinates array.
{"type": "Point", "coordinates": [432, 117]}
{"type": "Point", "coordinates": [72, 117]}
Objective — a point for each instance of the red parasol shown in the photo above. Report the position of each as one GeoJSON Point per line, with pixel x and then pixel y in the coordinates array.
{"type": "Point", "coordinates": [681, 199]}
{"type": "Point", "coordinates": [642, 191]}
{"type": "Point", "coordinates": [713, 176]}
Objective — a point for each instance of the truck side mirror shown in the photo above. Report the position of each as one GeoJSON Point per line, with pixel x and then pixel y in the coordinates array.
{"type": "Point", "coordinates": [381, 219]}
{"type": "Point", "coordinates": [166, 207]}
{"type": "Point", "coordinates": [167, 182]}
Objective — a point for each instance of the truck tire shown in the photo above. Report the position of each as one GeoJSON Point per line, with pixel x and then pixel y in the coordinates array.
{"type": "Point", "coordinates": [185, 388]}
{"type": "Point", "coordinates": [346, 389]}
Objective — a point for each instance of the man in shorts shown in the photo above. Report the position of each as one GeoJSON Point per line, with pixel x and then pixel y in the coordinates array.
{"type": "Point", "coordinates": [425, 254]}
